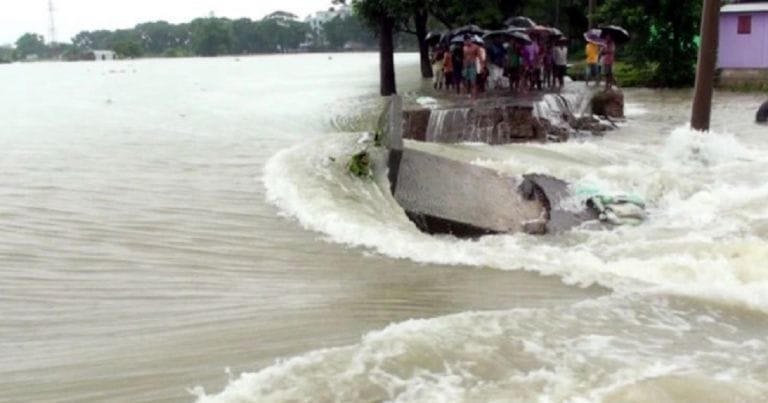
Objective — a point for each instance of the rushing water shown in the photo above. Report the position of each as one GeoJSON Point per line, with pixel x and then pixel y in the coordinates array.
{"type": "Point", "coordinates": [179, 229]}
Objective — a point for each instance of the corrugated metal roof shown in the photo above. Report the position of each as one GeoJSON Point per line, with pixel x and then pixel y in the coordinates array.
{"type": "Point", "coordinates": [746, 8]}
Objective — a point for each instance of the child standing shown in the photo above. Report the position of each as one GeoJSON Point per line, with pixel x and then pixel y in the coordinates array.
{"type": "Point", "coordinates": [438, 63]}
{"type": "Point", "coordinates": [448, 70]}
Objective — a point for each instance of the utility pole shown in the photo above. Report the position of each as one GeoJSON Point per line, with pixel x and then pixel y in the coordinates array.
{"type": "Point", "coordinates": [51, 23]}
{"type": "Point", "coordinates": [705, 71]}
{"type": "Point", "coordinates": [591, 16]}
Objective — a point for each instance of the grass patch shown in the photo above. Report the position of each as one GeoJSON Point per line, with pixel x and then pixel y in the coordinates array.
{"type": "Point", "coordinates": [627, 75]}
{"type": "Point", "coordinates": [745, 86]}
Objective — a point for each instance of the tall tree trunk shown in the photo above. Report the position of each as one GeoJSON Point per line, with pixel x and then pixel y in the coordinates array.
{"type": "Point", "coordinates": [387, 56]}
{"type": "Point", "coordinates": [591, 15]}
{"type": "Point", "coordinates": [420, 19]}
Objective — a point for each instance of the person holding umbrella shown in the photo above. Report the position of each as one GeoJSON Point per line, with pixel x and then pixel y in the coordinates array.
{"type": "Point", "coordinates": [458, 65]}
{"type": "Point", "coordinates": [515, 65]}
{"type": "Point", "coordinates": [609, 57]}
{"type": "Point", "coordinates": [496, 55]}
{"type": "Point", "coordinates": [448, 69]}
{"type": "Point", "coordinates": [560, 61]}
{"type": "Point", "coordinates": [482, 63]}
{"type": "Point", "coordinates": [612, 34]}
{"type": "Point", "coordinates": [470, 63]}
{"type": "Point", "coordinates": [594, 43]}
{"type": "Point", "coordinates": [438, 64]}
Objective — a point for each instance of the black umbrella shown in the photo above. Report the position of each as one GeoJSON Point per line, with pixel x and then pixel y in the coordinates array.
{"type": "Point", "coordinates": [520, 22]}
{"type": "Point", "coordinates": [544, 31]}
{"type": "Point", "coordinates": [619, 34]}
{"type": "Point", "coordinates": [433, 38]}
{"type": "Point", "coordinates": [556, 32]}
{"type": "Point", "coordinates": [493, 35]}
{"type": "Point", "coordinates": [520, 36]}
{"type": "Point", "coordinates": [468, 30]}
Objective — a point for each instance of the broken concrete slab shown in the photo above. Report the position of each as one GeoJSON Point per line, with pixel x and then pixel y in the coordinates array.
{"type": "Point", "coordinates": [443, 195]}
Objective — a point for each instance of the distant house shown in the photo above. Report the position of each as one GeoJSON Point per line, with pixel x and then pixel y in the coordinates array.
{"type": "Point", "coordinates": [354, 46]}
{"type": "Point", "coordinates": [743, 53]}
{"type": "Point", "coordinates": [317, 20]}
{"type": "Point", "coordinates": [316, 38]}
{"type": "Point", "coordinates": [103, 55]}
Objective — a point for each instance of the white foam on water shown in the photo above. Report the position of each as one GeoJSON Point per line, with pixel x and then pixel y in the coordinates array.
{"type": "Point", "coordinates": [428, 102]}
{"type": "Point", "coordinates": [632, 110]}
{"type": "Point", "coordinates": [705, 239]}
{"type": "Point", "coordinates": [523, 355]}
{"type": "Point", "coordinates": [700, 238]}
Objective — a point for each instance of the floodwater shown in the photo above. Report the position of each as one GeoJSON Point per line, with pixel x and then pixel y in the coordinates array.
{"type": "Point", "coordinates": [181, 230]}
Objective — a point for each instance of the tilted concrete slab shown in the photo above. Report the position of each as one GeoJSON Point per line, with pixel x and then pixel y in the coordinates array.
{"type": "Point", "coordinates": [444, 195]}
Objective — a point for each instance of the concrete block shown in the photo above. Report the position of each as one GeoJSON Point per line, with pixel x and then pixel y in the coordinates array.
{"type": "Point", "coordinates": [443, 195]}
{"type": "Point", "coordinates": [608, 103]}
{"type": "Point", "coordinates": [490, 124]}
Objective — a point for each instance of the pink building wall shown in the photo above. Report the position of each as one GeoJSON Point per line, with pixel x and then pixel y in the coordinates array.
{"type": "Point", "coordinates": [743, 51]}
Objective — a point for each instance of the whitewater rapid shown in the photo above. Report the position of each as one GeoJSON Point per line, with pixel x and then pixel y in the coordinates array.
{"type": "Point", "coordinates": [525, 355]}
{"type": "Point", "coordinates": [696, 194]}
{"type": "Point", "coordinates": [704, 240]}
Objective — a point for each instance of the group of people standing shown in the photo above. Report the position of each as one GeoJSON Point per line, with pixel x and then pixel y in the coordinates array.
{"type": "Point", "coordinates": [600, 59]}
{"type": "Point", "coordinates": [474, 66]}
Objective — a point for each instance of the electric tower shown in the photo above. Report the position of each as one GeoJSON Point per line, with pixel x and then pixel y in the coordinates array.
{"type": "Point", "coordinates": [51, 23]}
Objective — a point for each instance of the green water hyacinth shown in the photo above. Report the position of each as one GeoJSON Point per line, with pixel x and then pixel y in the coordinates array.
{"type": "Point", "coordinates": [360, 165]}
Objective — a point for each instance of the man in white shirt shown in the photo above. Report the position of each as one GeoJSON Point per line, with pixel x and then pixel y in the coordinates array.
{"type": "Point", "coordinates": [560, 60]}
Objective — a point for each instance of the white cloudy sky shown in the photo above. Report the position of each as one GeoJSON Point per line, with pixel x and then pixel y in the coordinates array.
{"type": "Point", "coordinates": [73, 16]}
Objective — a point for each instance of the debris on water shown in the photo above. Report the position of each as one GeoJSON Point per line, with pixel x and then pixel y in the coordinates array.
{"type": "Point", "coordinates": [367, 138]}
{"type": "Point", "coordinates": [360, 165]}
{"type": "Point", "coordinates": [427, 102]}
{"type": "Point", "coordinates": [619, 210]}
{"type": "Point", "coordinates": [762, 113]}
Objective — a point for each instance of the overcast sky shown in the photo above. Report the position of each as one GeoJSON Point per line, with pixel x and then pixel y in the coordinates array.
{"type": "Point", "coordinates": [73, 16]}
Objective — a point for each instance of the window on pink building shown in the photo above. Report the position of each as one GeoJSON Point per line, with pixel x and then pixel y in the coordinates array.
{"type": "Point", "coordinates": [745, 25]}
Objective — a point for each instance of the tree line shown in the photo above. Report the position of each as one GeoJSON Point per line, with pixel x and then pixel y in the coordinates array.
{"type": "Point", "coordinates": [664, 32]}
{"type": "Point", "coordinates": [277, 32]}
